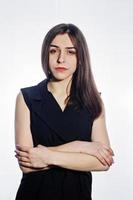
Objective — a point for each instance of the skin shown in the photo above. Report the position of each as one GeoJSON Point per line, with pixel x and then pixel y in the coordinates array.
{"type": "Point", "coordinates": [77, 155]}
{"type": "Point", "coordinates": [61, 53]}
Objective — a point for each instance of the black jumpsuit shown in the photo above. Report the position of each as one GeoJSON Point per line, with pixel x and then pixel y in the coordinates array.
{"type": "Point", "coordinates": [50, 126]}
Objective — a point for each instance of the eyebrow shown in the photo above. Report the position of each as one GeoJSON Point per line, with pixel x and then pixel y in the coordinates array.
{"type": "Point", "coordinates": [52, 45]}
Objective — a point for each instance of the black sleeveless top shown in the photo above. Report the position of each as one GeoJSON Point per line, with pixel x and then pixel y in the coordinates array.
{"type": "Point", "coordinates": [50, 126]}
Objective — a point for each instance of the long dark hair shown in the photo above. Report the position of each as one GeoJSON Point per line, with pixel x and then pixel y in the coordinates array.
{"type": "Point", "coordinates": [83, 89]}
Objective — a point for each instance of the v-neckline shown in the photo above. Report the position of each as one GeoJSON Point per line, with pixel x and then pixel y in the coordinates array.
{"type": "Point", "coordinates": [56, 102]}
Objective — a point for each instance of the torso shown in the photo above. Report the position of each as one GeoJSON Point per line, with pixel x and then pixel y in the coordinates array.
{"type": "Point", "coordinates": [60, 98]}
{"type": "Point", "coordinates": [61, 101]}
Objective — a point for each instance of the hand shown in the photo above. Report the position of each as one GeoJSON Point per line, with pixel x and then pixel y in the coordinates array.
{"type": "Point", "coordinates": [101, 151]}
{"type": "Point", "coordinates": [27, 170]}
{"type": "Point", "coordinates": [37, 157]}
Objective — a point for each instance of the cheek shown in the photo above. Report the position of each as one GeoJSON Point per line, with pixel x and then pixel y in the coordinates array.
{"type": "Point", "coordinates": [51, 61]}
{"type": "Point", "coordinates": [74, 63]}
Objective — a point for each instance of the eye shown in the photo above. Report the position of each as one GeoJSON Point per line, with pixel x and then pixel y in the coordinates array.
{"type": "Point", "coordinates": [52, 51]}
{"type": "Point", "coordinates": [71, 52]}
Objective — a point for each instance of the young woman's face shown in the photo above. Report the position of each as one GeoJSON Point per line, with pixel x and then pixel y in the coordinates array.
{"type": "Point", "coordinates": [62, 57]}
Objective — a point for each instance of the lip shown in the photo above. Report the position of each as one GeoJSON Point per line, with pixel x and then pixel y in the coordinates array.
{"type": "Point", "coordinates": [60, 69]}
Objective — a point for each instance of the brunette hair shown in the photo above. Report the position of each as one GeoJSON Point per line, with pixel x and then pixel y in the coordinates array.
{"type": "Point", "coordinates": [83, 89]}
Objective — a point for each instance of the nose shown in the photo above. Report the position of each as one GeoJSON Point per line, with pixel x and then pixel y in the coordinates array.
{"type": "Point", "coordinates": [61, 57]}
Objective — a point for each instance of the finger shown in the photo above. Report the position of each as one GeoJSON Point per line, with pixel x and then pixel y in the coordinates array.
{"type": "Point", "coordinates": [109, 149]}
{"type": "Point", "coordinates": [110, 160]}
{"type": "Point", "coordinates": [22, 158]}
{"type": "Point", "coordinates": [29, 165]}
{"type": "Point", "coordinates": [106, 156]}
{"type": "Point", "coordinates": [21, 153]}
{"type": "Point", "coordinates": [101, 159]}
{"type": "Point", "coordinates": [22, 148]}
{"type": "Point", "coordinates": [25, 164]}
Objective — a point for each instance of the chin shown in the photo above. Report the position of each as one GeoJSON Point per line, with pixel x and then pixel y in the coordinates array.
{"type": "Point", "coordinates": [61, 77]}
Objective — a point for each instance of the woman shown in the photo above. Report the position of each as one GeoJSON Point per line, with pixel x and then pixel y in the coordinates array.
{"type": "Point", "coordinates": [60, 129]}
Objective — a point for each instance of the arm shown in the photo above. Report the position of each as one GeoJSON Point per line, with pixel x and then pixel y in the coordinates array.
{"type": "Point", "coordinates": [75, 160]}
{"type": "Point", "coordinates": [37, 157]}
{"type": "Point", "coordinates": [23, 136]}
{"type": "Point", "coordinates": [95, 149]}
{"type": "Point", "coordinates": [74, 146]}
{"type": "Point", "coordinates": [99, 147]}
{"type": "Point", "coordinates": [87, 162]}
{"type": "Point", "coordinates": [99, 130]}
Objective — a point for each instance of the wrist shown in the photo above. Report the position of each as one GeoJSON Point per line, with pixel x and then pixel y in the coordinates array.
{"type": "Point", "coordinates": [56, 158]}
{"type": "Point", "coordinates": [51, 157]}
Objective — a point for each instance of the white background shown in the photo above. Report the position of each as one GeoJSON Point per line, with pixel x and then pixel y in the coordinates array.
{"type": "Point", "coordinates": [108, 28]}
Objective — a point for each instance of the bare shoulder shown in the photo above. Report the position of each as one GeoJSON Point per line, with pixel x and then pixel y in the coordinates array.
{"type": "Point", "coordinates": [20, 100]}
{"type": "Point", "coordinates": [19, 96]}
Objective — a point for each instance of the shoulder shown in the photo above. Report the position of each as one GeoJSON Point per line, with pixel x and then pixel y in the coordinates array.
{"type": "Point", "coordinates": [34, 90]}
{"type": "Point", "coordinates": [29, 89]}
{"type": "Point", "coordinates": [31, 92]}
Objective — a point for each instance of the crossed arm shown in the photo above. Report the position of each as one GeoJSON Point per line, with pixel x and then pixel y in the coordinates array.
{"type": "Point", "coordinates": [77, 155]}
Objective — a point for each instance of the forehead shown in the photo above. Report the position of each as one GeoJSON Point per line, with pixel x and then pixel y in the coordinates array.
{"type": "Point", "coordinates": [62, 40]}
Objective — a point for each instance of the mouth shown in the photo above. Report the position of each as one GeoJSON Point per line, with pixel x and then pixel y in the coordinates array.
{"type": "Point", "coordinates": [60, 69]}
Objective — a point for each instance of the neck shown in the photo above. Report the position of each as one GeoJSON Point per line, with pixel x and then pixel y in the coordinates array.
{"type": "Point", "coordinates": [60, 86]}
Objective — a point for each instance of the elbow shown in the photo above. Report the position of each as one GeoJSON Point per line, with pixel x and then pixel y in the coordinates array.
{"type": "Point", "coordinates": [101, 168]}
